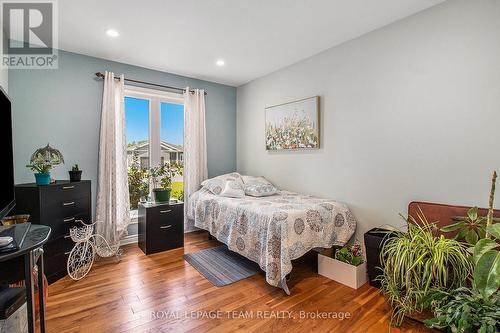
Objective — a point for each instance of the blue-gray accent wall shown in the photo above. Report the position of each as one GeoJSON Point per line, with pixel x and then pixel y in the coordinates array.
{"type": "Point", "coordinates": [63, 107]}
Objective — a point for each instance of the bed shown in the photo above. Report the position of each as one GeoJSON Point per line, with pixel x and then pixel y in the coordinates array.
{"type": "Point", "coordinates": [274, 230]}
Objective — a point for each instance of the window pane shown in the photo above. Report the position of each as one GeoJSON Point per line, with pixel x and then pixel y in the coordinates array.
{"type": "Point", "coordinates": [172, 140]}
{"type": "Point", "coordinates": [137, 132]}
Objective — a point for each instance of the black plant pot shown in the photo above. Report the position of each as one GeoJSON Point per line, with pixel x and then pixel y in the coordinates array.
{"type": "Point", "coordinates": [374, 241]}
{"type": "Point", "coordinates": [75, 176]}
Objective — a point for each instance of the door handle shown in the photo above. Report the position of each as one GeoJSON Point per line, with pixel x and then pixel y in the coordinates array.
{"type": "Point", "coordinates": [67, 236]}
{"type": "Point", "coordinates": [69, 220]}
{"type": "Point", "coordinates": [68, 203]}
{"type": "Point", "coordinates": [166, 226]}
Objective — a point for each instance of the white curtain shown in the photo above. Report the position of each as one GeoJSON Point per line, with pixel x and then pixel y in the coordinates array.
{"type": "Point", "coordinates": [195, 147]}
{"type": "Point", "coordinates": [112, 211]}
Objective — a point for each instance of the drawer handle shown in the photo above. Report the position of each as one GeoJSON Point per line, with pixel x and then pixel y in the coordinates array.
{"type": "Point", "coordinates": [68, 203]}
{"type": "Point", "coordinates": [66, 253]}
{"type": "Point", "coordinates": [166, 226]}
{"type": "Point", "coordinates": [67, 236]}
{"type": "Point", "coordinates": [69, 220]}
{"type": "Point", "coordinates": [165, 211]}
{"type": "Point", "coordinates": [68, 187]}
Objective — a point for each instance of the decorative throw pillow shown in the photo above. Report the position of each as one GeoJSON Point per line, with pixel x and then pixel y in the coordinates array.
{"type": "Point", "coordinates": [233, 189]}
{"type": "Point", "coordinates": [251, 180]}
{"type": "Point", "coordinates": [228, 185]}
{"type": "Point", "coordinates": [260, 190]}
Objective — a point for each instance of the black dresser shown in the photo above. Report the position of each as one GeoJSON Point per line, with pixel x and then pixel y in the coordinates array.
{"type": "Point", "coordinates": [161, 227]}
{"type": "Point", "coordinates": [57, 205]}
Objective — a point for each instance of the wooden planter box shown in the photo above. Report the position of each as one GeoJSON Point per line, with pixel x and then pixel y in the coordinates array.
{"type": "Point", "coordinates": [349, 275]}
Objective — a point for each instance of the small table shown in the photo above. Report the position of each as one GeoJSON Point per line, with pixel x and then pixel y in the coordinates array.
{"type": "Point", "coordinates": [36, 237]}
{"type": "Point", "coordinates": [161, 226]}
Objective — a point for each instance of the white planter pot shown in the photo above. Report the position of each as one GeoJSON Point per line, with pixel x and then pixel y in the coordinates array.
{"type": "Point", "coordinates": [349, 275]}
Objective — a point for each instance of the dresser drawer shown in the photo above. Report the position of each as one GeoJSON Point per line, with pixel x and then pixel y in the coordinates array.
{"type": "Point", "coordinates": [56, 266]}
{"type": "Point", "coordinates": [164, 237]}
{"type": "Point", "coordinates": [169, 215]}
{"type": "Point", "coordinates": [65, 209]}
{"type": "Point", "coordinates": [57, 247]}
{"type": "Point", "coordinates": [61, 225]}
{"type": "Point", "coordinates": [64, 192]}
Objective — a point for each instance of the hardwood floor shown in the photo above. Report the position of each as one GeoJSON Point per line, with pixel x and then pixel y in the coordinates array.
{"type": "Point", "coordinates": [163, 293]}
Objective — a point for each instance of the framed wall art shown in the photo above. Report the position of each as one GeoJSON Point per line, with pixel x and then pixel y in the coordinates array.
{"type": "Point", "coordinates": [293, 125]}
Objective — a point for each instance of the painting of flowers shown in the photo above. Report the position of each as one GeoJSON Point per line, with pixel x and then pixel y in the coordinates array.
{"type": "Point", "coordinates": [293, 125]}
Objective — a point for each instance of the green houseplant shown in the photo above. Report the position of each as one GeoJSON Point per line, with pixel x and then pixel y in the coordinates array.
{"type": "Point", "coordinates": [161, 179]}
{"type": "Point", "coordinates": [41, 168]}
{"type": "Point", "coordinates": [346, 265]}
{"type": "Point", "coordinates": [475, 308]}
{"type": "Point", "coordinates": [42, 161]}
{"type": "Point", "coordinates": [351, 254]}
{"type": "Point", "coordinates": [138, 183]}
{"type": "Point", "coordinates": [415, 263]}
{"type": "Point", "coordinates": [75, 174]}
{"type": "Point", "coordinates": [470, 228]}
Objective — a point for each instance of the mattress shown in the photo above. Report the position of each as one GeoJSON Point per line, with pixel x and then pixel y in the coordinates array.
{"type": "Point", "coordinates": [273, 230]}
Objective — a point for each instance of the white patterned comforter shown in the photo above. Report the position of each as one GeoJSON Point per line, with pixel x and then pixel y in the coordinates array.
{"type": "Point", "coordinates": [273, 230]}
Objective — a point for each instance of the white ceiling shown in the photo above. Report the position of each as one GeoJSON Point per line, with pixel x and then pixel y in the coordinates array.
{"type": "Point", "coordinates": [254, 37]}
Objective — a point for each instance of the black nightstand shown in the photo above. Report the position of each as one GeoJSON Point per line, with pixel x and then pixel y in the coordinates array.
{"type": "Point", "coordinates": [161, 226]}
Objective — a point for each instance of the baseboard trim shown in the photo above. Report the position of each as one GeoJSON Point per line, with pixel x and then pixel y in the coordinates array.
{"type": "Point", "coordinates": [132, 239]}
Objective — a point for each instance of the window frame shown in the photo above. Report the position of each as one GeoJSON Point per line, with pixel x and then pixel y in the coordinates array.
{"type": "Point", "coordinates": [154, 98]}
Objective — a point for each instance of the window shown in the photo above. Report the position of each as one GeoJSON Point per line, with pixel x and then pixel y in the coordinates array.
{"type": "Point", "coordinates": [172, 139]}
{"type": "Point", "coordinates": [137, 132]}
{"type": "Point", "coordinates": [154, 123]}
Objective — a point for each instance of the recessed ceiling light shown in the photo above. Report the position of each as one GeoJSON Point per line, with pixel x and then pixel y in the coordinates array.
{"type": "Point", "coordinates": [220, 62]}
{"type": "Point", "coordinates": [112, 33]}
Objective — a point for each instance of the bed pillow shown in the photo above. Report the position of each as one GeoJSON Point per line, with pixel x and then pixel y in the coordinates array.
{"type": "Point", "coordinates": [251, 180]}
{"type": "Point", "coordinates": [228, 185]}
{"type": "Point", "coordinates": [258, 186]}
{"type": "Point", "coordinates": [260, 190]}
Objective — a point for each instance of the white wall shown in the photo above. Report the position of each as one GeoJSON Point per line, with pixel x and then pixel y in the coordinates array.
{"type": "Point", "coordinates": [408, 112]}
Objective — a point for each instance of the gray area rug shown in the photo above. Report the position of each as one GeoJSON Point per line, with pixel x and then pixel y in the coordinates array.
{"type": "Point", "coordinates": [221, 266]}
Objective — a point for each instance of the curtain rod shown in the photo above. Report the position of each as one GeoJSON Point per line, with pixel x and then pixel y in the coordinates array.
{"type": "Point", "coordinates": [101, 75]}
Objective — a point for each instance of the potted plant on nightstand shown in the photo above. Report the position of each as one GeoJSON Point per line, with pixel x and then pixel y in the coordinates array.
{"type": "Point", "coordinates": [161, 178]}
{"type": "Point", "coordinates": [347, 267]}
{"type": "Point", "coordinates": [75, 174]}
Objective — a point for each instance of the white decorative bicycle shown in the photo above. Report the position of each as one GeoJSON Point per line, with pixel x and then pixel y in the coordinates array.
{"type": "Point", "coordinates": [87, 246]}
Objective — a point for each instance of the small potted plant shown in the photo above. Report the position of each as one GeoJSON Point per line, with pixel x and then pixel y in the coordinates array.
{"type": "Point", "coordinates": [42, 161]}
{"type": "Point", "coordinates": [161, 179]}
{"type": "Point", "coordinates": [347, 266]}
{"type": "Point", "coordinates": [42, 168]}
{"type": "Point", "coordinates": [75, 174]}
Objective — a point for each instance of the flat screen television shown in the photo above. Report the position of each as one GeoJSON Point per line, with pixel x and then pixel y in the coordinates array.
{"type": "Point", "coordinates": [7, 200]}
